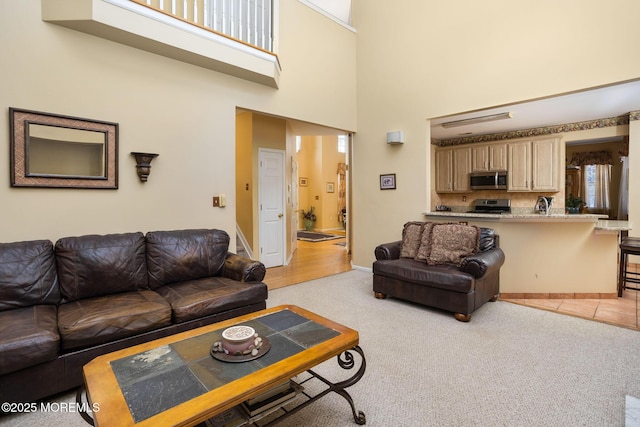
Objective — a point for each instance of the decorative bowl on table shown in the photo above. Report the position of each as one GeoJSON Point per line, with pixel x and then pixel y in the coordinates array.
{"type": "Point", "coordinates": [240, 344]}
{"type": "Point", "coordinates": [238, 339]}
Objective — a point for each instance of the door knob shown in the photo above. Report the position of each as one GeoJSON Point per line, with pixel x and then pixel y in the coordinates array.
{"type": "Point", "coordinates": [280, 215]}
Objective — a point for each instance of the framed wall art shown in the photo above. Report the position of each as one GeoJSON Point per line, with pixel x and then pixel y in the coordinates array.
{"type": "Point", "coordinates": [330, 187]}
{"type": "Point", "coordinates": [388, 181]}
{"type": "Point", "coordinates": [50, 150]}
{"type": "Point", "coordinates": [303, 182]}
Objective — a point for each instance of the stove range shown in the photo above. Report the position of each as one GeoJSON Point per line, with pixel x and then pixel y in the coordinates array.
{"type": "Point", "coordinates": [492, 206]}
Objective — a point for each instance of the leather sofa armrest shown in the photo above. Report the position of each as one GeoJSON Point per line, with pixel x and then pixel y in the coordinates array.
{"type": "Point", "coordinates": [243, 269]}
{"type": "Point", "coordinates": [483, 263]}
{"type": "Point", "coordinates": [388, 250]}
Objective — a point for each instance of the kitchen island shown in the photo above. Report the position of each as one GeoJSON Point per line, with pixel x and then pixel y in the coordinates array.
{"type": "Point", "coordinates": [551, 256]}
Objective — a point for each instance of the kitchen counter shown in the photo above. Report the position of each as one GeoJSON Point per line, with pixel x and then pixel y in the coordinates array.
{"type": "Point", "coordinates": [517, 217]}
{"type": "Point", "coordinates": [551, 256]}
{"type": "Point", "coordinates": [600, 221]}
{"type": "Point", "coordinates": [613, 225]}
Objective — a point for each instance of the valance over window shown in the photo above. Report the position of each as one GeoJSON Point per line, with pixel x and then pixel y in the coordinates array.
{"type": "Point", "coordinates": [591, 158]}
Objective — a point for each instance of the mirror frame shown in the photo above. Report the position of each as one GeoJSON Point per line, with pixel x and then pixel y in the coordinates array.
{"type": "Point", "coordinates": [19, 121]}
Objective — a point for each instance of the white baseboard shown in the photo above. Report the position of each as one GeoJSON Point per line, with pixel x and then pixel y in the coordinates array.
{"type": "Point", "coordinates": [361, 268]}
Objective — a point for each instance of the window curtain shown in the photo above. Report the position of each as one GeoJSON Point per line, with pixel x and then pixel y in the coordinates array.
{"type": "Point", "coordinates": [342, 189]}
{"type": "Point", "coordinates": [623, 198]}
{"type": "Point", "coordinates": [600, 204]}
{"type": "Point", "coordinates": [591, 158]}
{"type": "Point", "coordinates": [598, 201]}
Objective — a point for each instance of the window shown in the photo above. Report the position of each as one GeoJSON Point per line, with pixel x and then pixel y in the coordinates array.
{"type": "Point", "coordinates": [597, 180]}
{"type": "Point", "coordinates": [342, 143]}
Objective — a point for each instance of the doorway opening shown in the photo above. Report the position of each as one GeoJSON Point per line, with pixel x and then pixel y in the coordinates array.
{"type": "Point", "coordinates": [315, 174]}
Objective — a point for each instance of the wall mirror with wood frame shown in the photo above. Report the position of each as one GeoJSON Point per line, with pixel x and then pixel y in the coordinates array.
{"type": "Point", "coordinates": [49, 150]}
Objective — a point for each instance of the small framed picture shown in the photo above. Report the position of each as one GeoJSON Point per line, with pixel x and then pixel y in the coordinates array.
{"type": "Point", "coordinates": [330, 187]}
{"type": "Point", "coordinates": [303, 182]}
{"type": "Point", "coordinates": [388, 181]}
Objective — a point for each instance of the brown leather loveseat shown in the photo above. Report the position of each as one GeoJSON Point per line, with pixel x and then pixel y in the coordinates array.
{"type": "Point", "coordinates": [453, 267]}
{"type": "Point", "coordinates": [62, 306]}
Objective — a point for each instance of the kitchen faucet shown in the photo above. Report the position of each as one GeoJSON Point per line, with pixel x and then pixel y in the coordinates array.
{"type": "Point", "coordinates": [543, 205]}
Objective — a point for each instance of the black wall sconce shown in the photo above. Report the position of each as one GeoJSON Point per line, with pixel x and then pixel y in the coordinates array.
{"type": "Point", "coordinates": [143, 164]}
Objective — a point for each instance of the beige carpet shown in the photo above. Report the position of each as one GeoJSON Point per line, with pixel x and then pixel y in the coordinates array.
{"type": "Point", "coordinates": [510, 366]}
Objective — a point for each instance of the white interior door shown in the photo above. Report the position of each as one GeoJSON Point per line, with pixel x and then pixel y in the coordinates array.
{"type": "Point", "coordinates": [272, 207]}
{"type": "Point", "coordinates": [293, 221]}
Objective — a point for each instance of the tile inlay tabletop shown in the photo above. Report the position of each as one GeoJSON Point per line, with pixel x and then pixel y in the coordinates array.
{"type": "Point", "coordinates": [175, 381]}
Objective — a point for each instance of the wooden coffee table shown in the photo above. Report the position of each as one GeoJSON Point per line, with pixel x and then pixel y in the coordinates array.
{"type": "Point", "coordinates": [175, 381]}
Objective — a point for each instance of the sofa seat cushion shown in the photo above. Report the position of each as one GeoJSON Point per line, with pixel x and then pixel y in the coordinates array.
{"type": "Point", "coordinates": [202, 297]}
{"type": "Point", "coordinates": [445, 276]}
{"type": "Point", "coordinates": [93, 321]}
{"type": "Point", "coordinates": [28, 336]}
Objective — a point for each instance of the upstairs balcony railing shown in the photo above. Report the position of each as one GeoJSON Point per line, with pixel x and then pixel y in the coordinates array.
{"type": "Point", "coordinates": [247, 21]}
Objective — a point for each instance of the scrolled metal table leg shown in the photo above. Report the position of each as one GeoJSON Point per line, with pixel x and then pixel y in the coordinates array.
{"type": "Point", "coordinates": [83, 413]}
{"type": "Point", "coordinates": [347, 361]}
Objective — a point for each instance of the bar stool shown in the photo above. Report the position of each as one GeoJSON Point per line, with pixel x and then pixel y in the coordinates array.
{"type": "Point", "coordinates": [628, 246]}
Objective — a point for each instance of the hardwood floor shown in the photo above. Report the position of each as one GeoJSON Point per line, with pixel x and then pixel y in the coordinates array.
{"type": "Point", "coordinates": [311, 260]}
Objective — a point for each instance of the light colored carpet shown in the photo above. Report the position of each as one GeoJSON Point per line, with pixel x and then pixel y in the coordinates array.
{"type": "Point", "coordinates": [510, 366]}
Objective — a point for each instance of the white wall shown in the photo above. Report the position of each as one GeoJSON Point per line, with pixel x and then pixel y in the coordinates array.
{"type": "Point", "coordinates": [185, 113]}
{"type": "Point", "coordinates": [419, 60]}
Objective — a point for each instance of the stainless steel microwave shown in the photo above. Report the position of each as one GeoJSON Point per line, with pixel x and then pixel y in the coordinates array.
{"type": "Point", "coordinates": [496, 180]}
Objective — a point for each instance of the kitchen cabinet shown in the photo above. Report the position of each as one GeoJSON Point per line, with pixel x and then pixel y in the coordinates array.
{"type": "Point", "coordinates": [533, 165]}
{"type": "Point", "coordinates": [452, 169]}
{"type": "Point", "coordinates": [461, 169]}
{"type": "Point", "coordinates": [489, 157]}
{"type": "Point", "coordinates": [444, 170]}
{"type": "Point", "coordinates": [479, 158]}
{"type": "Point", "coordinates": [545, 165]}
{"type": "Point", "coordinates": [519, 169]}
{"type": "Point", "coordinates": [572, 182]}
{"type": "Point", "coordinates": [498, 157]}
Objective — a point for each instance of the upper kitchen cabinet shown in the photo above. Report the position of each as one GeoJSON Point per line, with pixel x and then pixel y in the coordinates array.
{"type": "Point", "coordinates": [461, 169]}
{"type": "Point", "coordinates": [519, 169]}
{"type": "Point", "coordinates": [489, 157]}
{"type": "Point", "coordinates": [545, 165]}
{"type": "Point", "coordinates": [533, 165]}
{"type": "Point", "coordinates": [452, 169]}
{"type": "Point", "coordinates": [444, 170]}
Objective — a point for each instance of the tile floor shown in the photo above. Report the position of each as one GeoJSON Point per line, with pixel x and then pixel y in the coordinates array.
{"type": "Point", "coordinates": [622, 311]}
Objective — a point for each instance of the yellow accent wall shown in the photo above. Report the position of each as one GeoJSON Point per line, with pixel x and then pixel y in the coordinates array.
{"type": "Point", "coordinates": [318, 162]}
{"type": "Point", "coordinates": [185, 113]}
{"type": "Point", "coordinates": [428, 59]}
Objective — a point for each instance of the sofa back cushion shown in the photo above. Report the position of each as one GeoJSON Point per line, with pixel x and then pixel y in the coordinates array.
{"type": "Point", "coordinates": [27, 274]}
{"type": "Point", "coordinates": [452, 243]}
{"type": "Point", "coordinates": [92, 265]}
{"type": "Point", "coordinates": [176, 256]}
{"type": "Point", "coordinates": [411, 235]}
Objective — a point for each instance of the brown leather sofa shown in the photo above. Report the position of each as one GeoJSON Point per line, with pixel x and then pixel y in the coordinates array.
{"type": "Point", "coordinates": [459, 280]}
{"type": "Point", "coordinates": [62, 306]}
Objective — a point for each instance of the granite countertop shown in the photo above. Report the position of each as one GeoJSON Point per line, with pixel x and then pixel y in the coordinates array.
{"type": "Point", "coordinates": [600, 221]}
{"type": "Point", "coordinates": [520, 216]}
{"type": "Point", "coordinates": [613, 225]}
